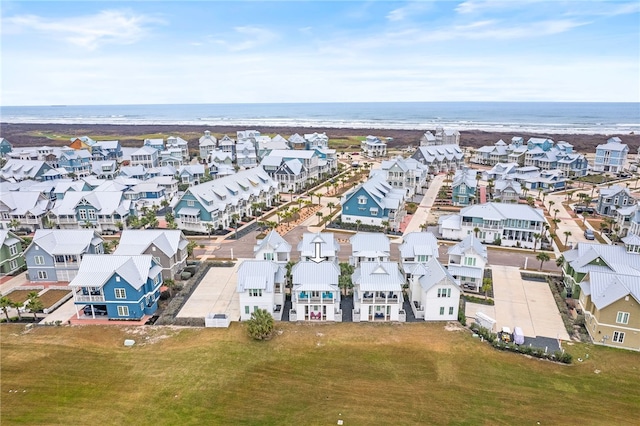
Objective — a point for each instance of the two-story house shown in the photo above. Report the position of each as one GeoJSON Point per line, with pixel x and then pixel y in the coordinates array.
{"type": "Point", "coordinates": [373, 147]}
{"type": "Point", "coordinates": [27, 208]}
{"type": "Point", "coordinates": [320, 245]}
{"type": "Point", "coordinates": [467, 261]}
{"type": "Point", "coordinates": [147, 156]}
{"type": "Point", "coordinates": [5, 147]}
{"type": "Point", "coordinates": [377, 292]}
{"type": "Point", "coordinates": [273, 247]}
{"type": "Point", "coordinates": [315, 295]}
{"type": "Point", "coordinates": [404, 173]}
{"type": "Point", "coordinates": [168, 248]}
{"type": "Point", "coordinates": [101, 210]}
{"type": "Point", "coordinates": [611, 156]}
{"type": "Point", "coordinates": [261, 285]}
{"type": "Point", "coordinates": [55, 254]}
{"type": "Point", "coordinates": [77, 162]}
{"type": "Point", "coordinates": [606, 281]}
{"type": "Point", "coordinates": [511, 225]}
{"type": "Point", "coordinates": [374, 202]}
{"type": "Point", "coordinates": [433, 292]}
{"type": "Point", "coordinates": [11, 253]}
{"type": "Point", "coordinates": [207, 144]}
{"type": "Point", "coordinates": [122, 287]}
{"type": "Point", "coordinates": [507, 190]}
{"type": "Point", "coordinates": [191, 174]}
{"type": "Point", "coordinates": [369, 247]}
{"type": "Point", "coordinates": [613, 198]}
{"type": "Point", "coordinates": [107, 150]}
{"type": "Point", "coordinates": [16, 170]}
{"type": "Point", "coordinates": [441, 158]}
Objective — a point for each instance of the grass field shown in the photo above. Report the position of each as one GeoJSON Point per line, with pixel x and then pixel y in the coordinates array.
{"type": "Point", "coordinates": [17, 296]}
{"type": "Point", "coordinates": [51, 297]}
{"type": "Point", "coordinates": [308, 374]}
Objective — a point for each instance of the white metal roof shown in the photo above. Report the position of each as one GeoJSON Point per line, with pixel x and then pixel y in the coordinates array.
{"type": "Point", "coordinates": [136, 241]}
{"type": "Point", "coordinates": [378, 276]}
{"type": "Point", "coordinates": [96, 269]}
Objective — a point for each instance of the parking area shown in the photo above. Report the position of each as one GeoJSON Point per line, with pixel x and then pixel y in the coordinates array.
{"type": "Point", "coordinates": [216, 293]}
{"type": "Point", "coordinates": [522, 303]}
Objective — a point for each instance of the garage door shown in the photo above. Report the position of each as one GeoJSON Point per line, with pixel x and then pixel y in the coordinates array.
{"type": "Point", "coordinates": [66, 275]}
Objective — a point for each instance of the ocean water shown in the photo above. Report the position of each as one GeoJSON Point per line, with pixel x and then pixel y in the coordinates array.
{"type": "Point", "coordinates": [538, 117]}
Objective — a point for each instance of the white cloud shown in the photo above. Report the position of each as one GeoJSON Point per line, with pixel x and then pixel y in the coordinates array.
{"type": "Point", "coordinates": [407, 11]}
{"type": "Point", "coordinates": [90, 31]}
{"type": "Point", "coordinates": [246, 38]}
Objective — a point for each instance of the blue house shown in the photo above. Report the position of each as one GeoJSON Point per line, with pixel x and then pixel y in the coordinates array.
{"type": "Point", "coordinates": [118, 287]}
{"type": "Point", "coordinates": [77, 162]}
{"type": "Point", "coordinates": [611, 156]}
{"type": "Point", "coordinates": [374, 202]}
{"type": "Point", "coordinates": [5, 147]}
{"type": "Point", "coordinates": [55, 254]}
{"type": "Point", "coordinates": [107, 150]}
{"type": "Point", "coordinates": [464, 187]}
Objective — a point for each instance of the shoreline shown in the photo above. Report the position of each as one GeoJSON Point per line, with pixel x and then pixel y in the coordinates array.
{"type": "Point", "coordinates": [26, 134]}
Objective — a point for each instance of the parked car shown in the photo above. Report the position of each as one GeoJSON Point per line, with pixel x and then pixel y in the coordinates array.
{"type": "Point", "coordinates": [589, 235]}
{"type": "Point", "coordinates": [97, 309]}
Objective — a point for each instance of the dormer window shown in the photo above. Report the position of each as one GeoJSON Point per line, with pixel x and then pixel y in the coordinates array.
{"type": "Point", "coordinates": [362, 200]}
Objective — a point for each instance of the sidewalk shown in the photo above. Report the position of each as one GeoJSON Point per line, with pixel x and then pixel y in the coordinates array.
{"type": "Point", "coordinates": [422, 214]}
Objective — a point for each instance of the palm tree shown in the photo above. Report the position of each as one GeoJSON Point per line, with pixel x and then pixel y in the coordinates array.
{"type": "Point", "coordinates": [190, 247]}
{"type": "Point", "coordinates": [542, 257]}
{"type": "Point", "coordinates": [476, 231]}
{"type": "Point", "coordinates": [319, 214]}
{"type": "Point", "coordinates": [5, 303]}
{"type": "Point", "coordinates": [551, 203]}
{"type": "Point", "coordinates": [331, 206]}
{"type": "Point", "coordinates": [358, 223]}
{"type": "Point", "coordinates": [17, 306]}
{"type": "Point", "coordinates": [291, 193]}
{"type": "Point", "coordinates": [209, 227]}
{"type": "Point", "coordinates": [261, 324]}
{"type": "Point", "coordinates": [487, 283]}
{"type": "Point", "coordinates": [235, 218]}
{"type": "Point", "coordinates": [555, 213]}
{"type": "Point", "coordinates": [385, 224]}
{"type": "Point", "coordinates": [560, 261]}
{"type": "Point", "coordinates": [584, 216]}
{"type": "Point", "coordinates": [536, 237]}
{"type": "Point", "coordinates": [319, 196]}
{"type": "Point", "coordinates": [34, 304]}
{"type": "Point", "coordinates": [567, 234]}
{"type": "Point", "coordinates": [13, 224]}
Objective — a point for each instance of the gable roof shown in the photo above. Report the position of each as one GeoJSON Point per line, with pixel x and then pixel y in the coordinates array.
{"type": "Point", "coordinates": [311, 276]}
{"type": "Point", "coordinates": [329, 247]}
{"type": "Point", "coordinates": [275, 241]}
{"type": "Point", "coordinates": [259, 275]}
{"type": "Point", "coordinates": [370, 243]}
{"type": "Point", "coordinates": [378, 276]}
{"type": "Point", "coordinates": [435, 273]}
{"type": "Point", "coordinates": [418, 243]}
{"type": "Point", "coordinates": [65, 241]}
{"type": "Point", "coordinates": [96, 269]}
{"type": "Point", "coordinates": [470, 242]}
{"type": "Point", "coordinates": [499, 211]}
{"type": "Point", "coordinates": [606, 288]}
{"type": "Point", "coordinates": [136, 241]}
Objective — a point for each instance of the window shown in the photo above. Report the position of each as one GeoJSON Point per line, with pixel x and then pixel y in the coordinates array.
{"type": "Point", "coordinates": [618, 336]}
{"type": "Point", "coordinates": [450, 310]}
{"type": "Point", "coordinates": [123, 311]}
{"type": "Point", "coordinates": [117, 279]}
{"type": "Point", "coordinates": [246, 310]}
{"type": "Point", "coordinates": [362, 200]}
{"type": "Point", "coordinates": [83, 214]}
{"type": "Point", "coordinates": [470, 261]}
{"type": "Point", "coordinates": [92, 214]}
{"type": "Point", "coordinates": [373, 211]}
{"type": "Point", "coordinates": [441, 310]}
{"type": "Point", "coordinates": [421, 258]}
{"type": "Point", "coordinates": [121, 293]}
{"type": "Point", "coordinates": [190, 203]}
{"type": "Point", "coordinates": [13, 250]}
{"type": "Point", "coordinates": [42, 275]}
{"type": "Point", "coordinates": [255, 292]}
{"type": "Point", "coordinates": [268, 256]}
{"type": "Point", "coordinates": [39, 260]}
{"type": "Point", "coordinates": [444, 292]}
{"type": "Point", "coordinates": [13, 264]}
{"type": "Point", "coordinates": [622, 318]}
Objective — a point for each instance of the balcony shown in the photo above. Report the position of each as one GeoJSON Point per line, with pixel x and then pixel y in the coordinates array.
{"type": "Point", "coordinates": [89, 298]}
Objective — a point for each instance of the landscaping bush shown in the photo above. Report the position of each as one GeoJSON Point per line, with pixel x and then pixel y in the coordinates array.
{"type": "Point", "coordinates": [479, 300]}
{"type": "Point", "coordinates": [185, 276]}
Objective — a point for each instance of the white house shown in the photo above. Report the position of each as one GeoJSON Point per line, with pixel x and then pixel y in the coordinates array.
{"type": "Point", "coordinates": [369, 247]}
{"type": "Point", "coordinates": [377, 292]}
{"type": "Point", "coordinates": [404, 173]}
{"type": "Point", "coordinates": [417, 248]}
{"type": "Point", "coordinates": [512, 225]}
{"type": "Point", "coordinates": [467, 261]}
{"type": "Point", "coordinates": [273, 247]}
{"type": "Point", "coordinates": [207, 144]}
{"type": "Point", "coordinates": [373, 147]}
{"type": "Point", "coordinates": [433, 292]}
{"type": "Point", "coordinates": [260, 286]}
{"type": "Point", "coordinates": [315, 293]}
{"type": "Point", "coordinates": [322, 243]}
{"type": "Point", "coordinates": [146, 156]}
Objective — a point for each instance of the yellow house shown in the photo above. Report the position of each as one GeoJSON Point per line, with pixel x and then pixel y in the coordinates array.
{"type": "Point", "coordinates": [611, 305]}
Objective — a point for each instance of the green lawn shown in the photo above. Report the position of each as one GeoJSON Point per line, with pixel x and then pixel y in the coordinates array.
{"type": "Point", "coordinates": [363, 373]}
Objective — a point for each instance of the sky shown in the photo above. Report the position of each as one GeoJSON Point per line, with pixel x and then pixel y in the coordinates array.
{"type": "Point", "coordinates": [145, 52]}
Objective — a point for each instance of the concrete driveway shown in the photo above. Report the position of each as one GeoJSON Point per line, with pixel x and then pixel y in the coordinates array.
{"type": "Point", "coordinates": [525, 304]}
{"type": "Point", "coordinates": [216, 293]}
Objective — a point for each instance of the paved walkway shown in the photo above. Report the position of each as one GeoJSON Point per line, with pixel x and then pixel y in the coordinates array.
{"type": "Point", "coordinates": [422, 214]}
{"type": "Point", "coordinates": [216, 293]}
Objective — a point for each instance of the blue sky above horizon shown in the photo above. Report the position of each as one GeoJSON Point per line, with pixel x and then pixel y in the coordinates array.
{"type": "Point", "coordinates": [330, 51]}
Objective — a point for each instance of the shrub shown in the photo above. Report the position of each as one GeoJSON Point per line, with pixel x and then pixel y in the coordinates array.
{"type": "Point", "coordinates": [260, 325]}
{"type": "Point", "coordinates": [462, 317]}
{"type": "Point", "coordinates": [185, 276]}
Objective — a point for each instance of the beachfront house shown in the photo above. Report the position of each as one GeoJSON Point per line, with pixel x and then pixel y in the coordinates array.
{"type": "Point", "coordinates": [207, 144]}
{"type": "Point", "coordinates": [228, 145]}
{"type": "Point", "coordinates": [11, 253]}
{"type": "Point", "coordinates": [315, 293]}
{"type": "Point", "coordinates": [101, 210]}
{"type": "Point", "coordinates": [261, 285]}
{"type": "Point", "coordinates": [55, 254]}
{"type": "Point", "coordinates": [611, 156]}
{"type": "Point", "coordinates": [176, 142]}
{"type": "Point", "coordinates": [297, 142]}
{"type": "Point", "coordinates": [441, 158]}
{"type": "Point", "coordinates": [467, 261]}
{"type": "Point", "coordinates": [377, 294]}
{"type": "Point", "coordinates": [433, 293]}
{"type": "Point", "coordinates": [246, 156]}
{"type": "Point", "coordinates": [510, 225]}
{"type": "Point", "coordinates": [107, 150]}
{"type": "Point", "coordinates": [168, 247]}
{"type": "Point", "coordinates": [613, 198]}
{"type": "Point", "coordinates": [118, 287]}
{"type": "Point", "coordinates": [213, 204]}
{"type": "Point", "coordinates": [369, 247]}
{"type": "Point", "coordinates": [374, 202]}
{"type": "Point", "coordinates": [606, 281]}
{"type": "Point", "coordinates": [273, 247]}
{"type": "Point", "coordinates": [373, 147]}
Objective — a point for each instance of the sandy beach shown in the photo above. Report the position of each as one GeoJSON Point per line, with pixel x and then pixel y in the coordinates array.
{"type": "Point", "coordinates": [131, 135]}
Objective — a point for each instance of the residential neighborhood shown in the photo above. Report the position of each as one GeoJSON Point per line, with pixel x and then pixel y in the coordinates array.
{"type": "Point", "coordinates": [252, 222]}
